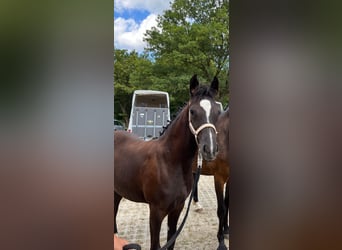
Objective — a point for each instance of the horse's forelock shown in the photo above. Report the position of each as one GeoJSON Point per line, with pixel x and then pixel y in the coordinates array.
{"type": "Point", "coordinates": [204, 91]}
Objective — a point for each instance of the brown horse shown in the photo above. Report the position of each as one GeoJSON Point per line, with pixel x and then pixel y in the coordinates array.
{"type": "Point", "coordinates": [158, 172]}
{"type": "Point", "coordinates": [220, 169]}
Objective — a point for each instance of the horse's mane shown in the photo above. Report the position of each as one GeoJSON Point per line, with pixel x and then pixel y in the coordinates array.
{"type": "Point", "coordinates": [174, 118]}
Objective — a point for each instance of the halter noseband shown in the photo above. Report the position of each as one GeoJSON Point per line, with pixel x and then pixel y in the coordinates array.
{"type": "Point", "coordinates": [195, 132]}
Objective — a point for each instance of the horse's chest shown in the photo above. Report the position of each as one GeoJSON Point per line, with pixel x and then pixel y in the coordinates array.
{"type": "Point", "coordinates": [176, 191]}
{"type": "Point", "coordinates": [168, 185]}
{"type": "Point", "coordinates": [174, 199]}
{"type": "Point", "coordinates": [180, 191]}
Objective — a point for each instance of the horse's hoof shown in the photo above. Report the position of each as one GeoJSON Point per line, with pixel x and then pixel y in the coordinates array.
{"type": "Point", "coordinates": [222, 246]}
{"type": "Point", "coordinates": [198, 207]}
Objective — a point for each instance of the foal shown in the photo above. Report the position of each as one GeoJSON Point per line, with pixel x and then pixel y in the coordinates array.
{"type": "Point", "coordinates": [158, 172]}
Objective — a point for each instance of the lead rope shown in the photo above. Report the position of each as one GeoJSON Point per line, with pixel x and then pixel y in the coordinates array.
{"type": "Point", "coordinates": [194, 187]}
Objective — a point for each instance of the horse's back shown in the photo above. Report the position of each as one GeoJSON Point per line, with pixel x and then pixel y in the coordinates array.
{"type": "Point", "coordinates": [121, 137]}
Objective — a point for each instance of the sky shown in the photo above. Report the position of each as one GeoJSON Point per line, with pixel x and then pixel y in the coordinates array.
{"type": "Point", "coordinates": [131, 20]}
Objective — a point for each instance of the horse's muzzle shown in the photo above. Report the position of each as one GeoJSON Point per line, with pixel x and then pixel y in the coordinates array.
{"type": "Point", "coordinates": [209, 153]}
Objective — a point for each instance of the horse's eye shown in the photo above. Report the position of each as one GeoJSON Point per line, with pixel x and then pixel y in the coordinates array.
{"type": "Point", "coordinates": [192, 112]}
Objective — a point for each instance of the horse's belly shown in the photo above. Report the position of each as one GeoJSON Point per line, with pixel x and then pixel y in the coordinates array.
{"type": "Point", "coordinates": [129, 191]}
{"type": "Point", "coordinates": [134, 197]}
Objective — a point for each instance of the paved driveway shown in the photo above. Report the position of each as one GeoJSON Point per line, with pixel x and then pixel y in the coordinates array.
{"type": "Point", "coordinates": [199, 231]}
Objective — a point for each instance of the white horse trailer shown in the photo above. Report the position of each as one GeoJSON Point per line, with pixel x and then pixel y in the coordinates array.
{"type": "Point", "coordinates": [149, 113]}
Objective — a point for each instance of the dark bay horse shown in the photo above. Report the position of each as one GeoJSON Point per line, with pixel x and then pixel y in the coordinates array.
{"type": "Point", "coordinates": [220, 169]}
{"type": "Point", "coordinates": [159, 172]}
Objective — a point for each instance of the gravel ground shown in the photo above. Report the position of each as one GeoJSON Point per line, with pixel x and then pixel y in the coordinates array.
{"type": "Point", "coordinates": [199, 231]}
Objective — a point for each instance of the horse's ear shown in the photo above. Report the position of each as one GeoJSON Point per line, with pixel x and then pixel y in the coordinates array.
{"type": "Point", "coordinates": [215, 85]}
{"type": "Point", "coordinates": [193, 84]}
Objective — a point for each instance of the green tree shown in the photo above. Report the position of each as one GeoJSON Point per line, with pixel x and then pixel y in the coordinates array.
{"type": "Point", "coordinates": [191, 37]}
{"type": "Point", "coordinates": [193, 34]}
{"type": "Point", "coordinates": [131, 71]}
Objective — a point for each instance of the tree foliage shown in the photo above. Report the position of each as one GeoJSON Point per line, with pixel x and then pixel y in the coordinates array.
{"type": "Point", "coordinates": [192, 37]}
{"type": "Point", "coordinates": [131, 72]}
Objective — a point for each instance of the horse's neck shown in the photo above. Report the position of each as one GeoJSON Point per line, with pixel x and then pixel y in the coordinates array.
{"type": "Point", "coordinates": [181, 142]}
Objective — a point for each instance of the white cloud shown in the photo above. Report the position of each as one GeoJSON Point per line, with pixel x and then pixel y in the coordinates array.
{"type": "Point", "coordinates": [128, 34]}
{"type": "Point", "coordinates": [152, 6]}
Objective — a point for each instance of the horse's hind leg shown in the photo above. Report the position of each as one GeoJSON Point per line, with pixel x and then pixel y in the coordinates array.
{"type": "Point", "coordinates": [226, 201]}
{"type": "Point", "coordinates": [219, 185]}
{"type": "Point", "coordinates": [117, 199]}
{"type": "Point", "coordinates": [196, 189]}
{"type": "Point", "coordinates": [172, 220]}
{"type": "Point", "coordinates": [156, 218]}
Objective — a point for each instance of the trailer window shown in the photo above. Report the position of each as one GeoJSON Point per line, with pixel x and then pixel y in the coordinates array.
{"type": "Point", "coordinates": [152, 101]}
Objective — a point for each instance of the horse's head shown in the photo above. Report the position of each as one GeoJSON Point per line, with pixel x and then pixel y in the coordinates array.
{"type": "Point", "coordinates": [203, 114]}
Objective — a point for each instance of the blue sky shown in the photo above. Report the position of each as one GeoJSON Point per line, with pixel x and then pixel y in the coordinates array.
{"type": "Point", "coordinates": [137, 15]}
{"type": "Point", "coordinates": [131, 20]}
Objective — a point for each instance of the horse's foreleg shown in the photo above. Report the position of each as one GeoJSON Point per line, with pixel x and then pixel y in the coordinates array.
{"type": "Point", "coordinates": [156, 218]}
{"type": "Point", "coordinates": [117, 199]}
{"type": "Point", "coordinates": [219, 184]}
{"type": "Point", "coordinates": [172, 220]}
{"type": "Point", "coordinates": [226, 201]}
